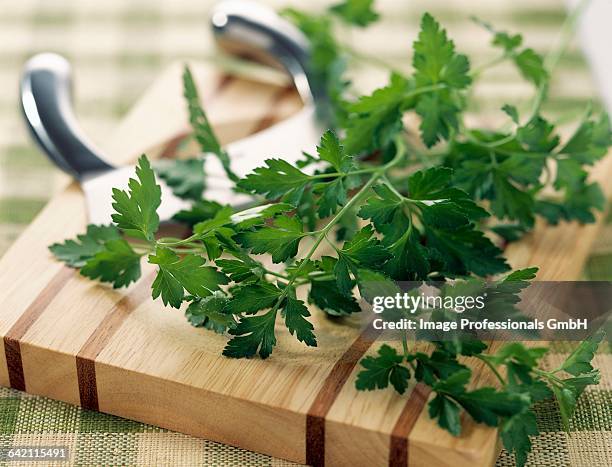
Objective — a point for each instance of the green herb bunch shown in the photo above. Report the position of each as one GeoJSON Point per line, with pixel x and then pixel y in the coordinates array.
{"type": "Point", "coordinates": [391, 204]}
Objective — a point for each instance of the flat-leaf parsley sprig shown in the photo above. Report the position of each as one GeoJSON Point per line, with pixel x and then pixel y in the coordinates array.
{"type": "Point", "coordinates": [390, 203]}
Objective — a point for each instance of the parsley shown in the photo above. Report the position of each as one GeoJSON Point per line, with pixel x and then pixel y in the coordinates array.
{"type": "Point", "coordinates": [184, 176]}
{"type": "Point", "coordinates": [280, 240]}
{"type": "Point", "coordinates": [356, 12]}
{"type": "Point", "coordinates": [177, 274]}
{"type": "Point", "coordinates": [391, 207]}
{"type": "Point", "coordinates": [116, 263]}
{"type": "Point", "coordinates": [136, 211]}
{"type": "Point", "coordinates": [295, 319]}
{"type": "Point", "coordinates": [529, 63]}
{"type": "Point", "coordinates": [290, 181]}
{"type": "Point", "coordinates": [252, 334]}
{"type": "Point", "coordinates": [77, 252]}
{"type": "Point", "coordinates": [209, 312]}
{"type": "Point", "coordinates": [202, 129]}
{"type": "Point", "coordinates": [507, 407]}
{"type": "Point", "coordinates": [383, 370]}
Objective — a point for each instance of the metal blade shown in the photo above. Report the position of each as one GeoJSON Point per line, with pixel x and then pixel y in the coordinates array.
{"type": "Point", "coordinates": [596, 37]}
{"type": "Point", "coordinates": [98, 196]}
{"type": "Point", "coordinates": [285, 140]}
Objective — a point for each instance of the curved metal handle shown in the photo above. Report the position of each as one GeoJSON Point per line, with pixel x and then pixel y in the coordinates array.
{"type": "Point", "coordinates": [47, 106]}
{"type": "Point", "coordinates": [244, 27]}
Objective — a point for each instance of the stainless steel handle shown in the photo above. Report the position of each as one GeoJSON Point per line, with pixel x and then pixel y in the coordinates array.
{"type": "Point", "coordinates": [256, 31]}
{"type": "Point", "coordinates": [47, 106]}
{"type": "Point", "coordinates": [242, 27]}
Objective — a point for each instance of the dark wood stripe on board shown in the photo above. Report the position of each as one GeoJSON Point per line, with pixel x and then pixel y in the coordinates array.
{"type": "Point", "coordinates": [99, 338]}
{"type": "Point", "coordinates": [12, 348]}
{"type": "Point", "coordinates": [335, 381]}
{"type": "Point", "coordinates": [398, 454]}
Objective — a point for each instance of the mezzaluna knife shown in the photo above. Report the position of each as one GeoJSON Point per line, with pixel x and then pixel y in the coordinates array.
{"type": "Point", "coordinates": [241, 27]}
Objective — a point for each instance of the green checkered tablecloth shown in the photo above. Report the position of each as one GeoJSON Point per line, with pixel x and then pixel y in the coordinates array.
{"type": "Point", "coordinates": [117, 49]}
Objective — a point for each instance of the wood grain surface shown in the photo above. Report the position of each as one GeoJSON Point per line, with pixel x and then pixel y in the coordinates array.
{"type": "Point", "coordinates": [118, 351]}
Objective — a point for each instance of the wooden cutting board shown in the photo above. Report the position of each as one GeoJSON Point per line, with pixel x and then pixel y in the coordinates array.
{"type": "Point", "coordinates": [120, 352]}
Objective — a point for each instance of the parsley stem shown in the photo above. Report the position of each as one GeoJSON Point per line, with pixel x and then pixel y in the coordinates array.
{"type": "Point", "coordinates": [318, 275]}
{"type": "Point", "coordinates": [277, 274]}
{"type": "Point", "coordinates": [489, 144]}
{"type": "Point", "coordinates": [345, 174]}
{"type": "Point", "coordinates": [392, 188]}
{"type": "Point", "coordinates": [187, 250]}
{"type": "Point", "coordinates": [170, 241]}
{"type": "Point", "coordinates": [548, 374]}
{"type": "Point", "coordinates": [423, 89]}
{"type": "Point", "coordinates": [321, 235]}
{"type": "Point", "coordinates": [476, 72]}
{"type": "Point", "coordinates": [492, 367]}
{"type": "Point", "coordinates": [552, 59]}
{"type": "Point", "coordinates": [372, 60]}
{"type": "Point", "coordinates": [405, 346]}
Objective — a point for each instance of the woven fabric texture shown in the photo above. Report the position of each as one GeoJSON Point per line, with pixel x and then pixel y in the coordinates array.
{"type": "Point", "coordinates": [117, 49]}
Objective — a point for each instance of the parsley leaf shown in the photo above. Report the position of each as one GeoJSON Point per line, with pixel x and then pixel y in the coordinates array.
{"type": "Point", "coordinates": [579, 361]}
{"type": "Point", "coordinates": [382, 370]}
{"type": "Point", "coordinates": [330, 150]}
{"type": "Point", "coordinates": [252, 297]}
{"type": "Point", "coordinates": [409, 259]}
{"type": "Point", "coordinates": [446, 214]}
{"type": "Point", "coordinates": [136, 212]}
{"type": "Point", "coordinates": [357, 12]}
{"type": "Point", "coordinates": [566, 398]}
{"type": "Point", "coordinates": [295, 313]}
{"type": "Point", "coordinates": [208, 312]}
{"type": "Point", "coordinates": [375, 119]}
{"type": "Point", "coordinates": [590, 141]}
{"type": "Point", "coordinates": [281, 240]}
{"type": "Point", "coordinates": [435, 59]}
{"type": "Point", "coordinates": [515, 432]}
{"type": "Point", "coordinates": [243, 270]}
{"type": "Point", "coordinates": [488, 405]}
{"type": "Point", "coordinates": [199, 211]}
{"type": "Point", "coordinates": [447, 412]}
{"type": "Point", "coordinates": [202, 130]}
{"type": "Point", "coordinates": [326, 295]}
{"type": "Point", "coordinates": [184, 176]}
{"type": "Point", "coordinates": [440, 365]}
{"type": "Point", "coordinates": [436, 63]}
{"type": "Point", "coordinates": [116, 263]}
{"type": "Point", "coordinates": [252, 334]}
{"type": "Point", "coordinates": [383, 208]}
{"type": "Point", "coordinates": [537, 135]}
{"type": "Point", "coordinates": [282, 180]}
{"type": "Point", "coordinates": [529, 63]}
{"type": "Point", "coordinates": [76, 253]}
{"type": "Point", "coordinates": [362, 251]}
{"type": "Point", "coordinates": [279, 179]}
{"type": "Point", "coordinates": [176, 274]}
{"type": "Point", "coordinates": [438, 117]}
{"type": "Point", "coordinates": [531, 66]}
{"type": "Point", "coordinates": [333, 194]}
{"type": "Point", "coordinates": [440, 204]}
